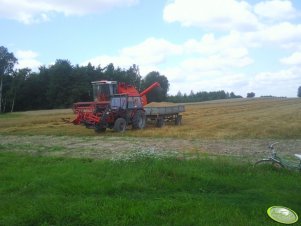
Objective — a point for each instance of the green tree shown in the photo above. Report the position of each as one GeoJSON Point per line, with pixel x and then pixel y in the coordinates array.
{"type": "Point", "coordinates": [80, 89]}
{"type": "Point", "coordinates": [18, 79]}
{"type": "Point", "coordinates": [133, 76]}
{"type": "Point", "coordinates": [299, 91]}
{"type": "Point", "coordinates": [157, 94]}
{"type": "Point", "coordinates": [7, 62]}
{"type": "Point", "coordinates": [250, 95]}
{"type": "Point", "coordinates": [31, 94]}
{"type": "Point", "coordinates": [58, 93]}
{"type": "Point", "coordinates": [179, 94]}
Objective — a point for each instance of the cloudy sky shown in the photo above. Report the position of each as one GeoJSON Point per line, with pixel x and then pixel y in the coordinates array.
{"type": "Point", "coordinates": [233, 45]}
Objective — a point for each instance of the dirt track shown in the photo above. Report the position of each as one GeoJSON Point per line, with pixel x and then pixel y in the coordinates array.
{"type": "Point", "coordinates": [116, 147]}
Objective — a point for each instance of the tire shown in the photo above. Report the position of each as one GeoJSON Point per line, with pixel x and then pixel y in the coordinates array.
{"type": "Point", "coordinates": [88, 126]}
{"type": "Point", "coordinates": [99, 129]}
{"type": "Point", "coordinates": [139, 120]}
{"type": "Point", "coordinates": [277, 165]}
{"type": "Point", "coordinates": [269, 161]}
{"type": "Point", "coordinates": [120, 125]}
{"type": "Point", "coordinates": [178, 120]}
{"type": "Point", "coordinates": [160, 122]}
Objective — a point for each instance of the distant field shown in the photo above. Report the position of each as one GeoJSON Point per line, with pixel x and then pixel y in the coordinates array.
{"type": "Point", "coordinates": [260, 118]}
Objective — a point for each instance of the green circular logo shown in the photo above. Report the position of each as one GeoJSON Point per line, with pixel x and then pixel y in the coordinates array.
{"type": "Point", "coordinates": [282, 214]}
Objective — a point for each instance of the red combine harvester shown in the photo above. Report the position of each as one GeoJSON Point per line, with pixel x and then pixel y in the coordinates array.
{"type": "Point", "coordinates": [115, 106]}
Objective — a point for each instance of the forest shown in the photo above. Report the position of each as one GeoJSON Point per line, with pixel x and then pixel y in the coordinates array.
{"type": "Point", "coordinates": [62, 84]}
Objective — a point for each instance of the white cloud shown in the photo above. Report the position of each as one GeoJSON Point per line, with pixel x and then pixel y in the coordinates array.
{"type": "Point", "coordinates": [281, 33]}
{"type": "Point", "coordinates": [25, 54]}
{"type": "Point", "coordinates": [210, 58]}
{"type": "Point", "coordinates": [151, 51]}
{"type": "Point", "coordinates": [228, 14]}
{"type": "Point", "coordinates": [275, 9]}
{"type": "Point", "coordinates": [27, 59]}
{"type": "Point", "coordinates": [279, 83]}
{"type": "Point", "coordinates": [294, 59]}
{"type": "Point", "coordinates": [210, 44]}
{"type": "Point", "coordinates": [266, 22]}
{"type": "Point", "coordinates": [233, 58]}
{"type": "Point", "coordinates": [209, 72]}
{"type": "Point", "coordinates": [216, 63]}
{"type": "Point", "coordinates": [33, 11]}
{"type": "Point", "coordinates": [216, 81]}
{"type": "Point", "coordinates": [213, 14]}
{"type": "Point", "coordinates": [148, 55]}
{"type": "Point", "coordinates": [279, 76]}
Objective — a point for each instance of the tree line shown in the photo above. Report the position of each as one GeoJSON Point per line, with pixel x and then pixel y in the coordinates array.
{"type": "Point", "coordinates": [62, 84]}
{"type": "Point", "coordinates": [201, 96]}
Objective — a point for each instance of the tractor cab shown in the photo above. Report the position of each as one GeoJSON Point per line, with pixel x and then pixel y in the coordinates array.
{"type": "Point", "coordinates": [103, 90]}
{"type": "Point", "coordinates": [118, 102]}
{"type": "Point", "coordinates": [124, 101]}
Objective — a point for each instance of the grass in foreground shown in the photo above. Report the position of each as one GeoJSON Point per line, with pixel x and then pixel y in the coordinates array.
{"type": "Point", "coordinates": [58, 191]}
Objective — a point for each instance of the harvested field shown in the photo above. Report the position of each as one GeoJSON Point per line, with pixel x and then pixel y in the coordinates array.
{"type": "Point", "coordinates": [260, 118]}
{"type": "Point", "coordinates": [240, 127]}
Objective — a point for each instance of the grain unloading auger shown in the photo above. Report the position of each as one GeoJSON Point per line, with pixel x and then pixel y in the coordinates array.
{"type": "Point", "coordinates": [115, 105]}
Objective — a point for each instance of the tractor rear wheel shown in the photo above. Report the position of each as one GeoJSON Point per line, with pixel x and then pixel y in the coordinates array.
{"type": "Point", "coordinates": [120, 125]}
{"type": "Point", "coordinates": [139, 120]}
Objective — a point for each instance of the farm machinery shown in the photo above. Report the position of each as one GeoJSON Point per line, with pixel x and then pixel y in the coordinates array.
{"type": "Point", "coordinates": [115, 106]}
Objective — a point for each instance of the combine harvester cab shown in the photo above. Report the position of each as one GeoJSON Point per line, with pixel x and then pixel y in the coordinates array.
{"type": "Point", "coordinates": [85, 111]}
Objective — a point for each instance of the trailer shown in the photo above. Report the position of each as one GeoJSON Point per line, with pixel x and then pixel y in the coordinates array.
{"type": "Point", "coordinates": [161, 114]}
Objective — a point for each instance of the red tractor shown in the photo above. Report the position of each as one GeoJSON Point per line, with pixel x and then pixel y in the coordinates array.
{"type": "Point", "coordinates": [115, 106]}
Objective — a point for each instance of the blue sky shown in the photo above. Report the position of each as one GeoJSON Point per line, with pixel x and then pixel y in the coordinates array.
{"type": "Point", "coordinates": [233, 45]}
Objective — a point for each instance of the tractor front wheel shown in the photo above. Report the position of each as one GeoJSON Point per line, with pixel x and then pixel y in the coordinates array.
{"type": "Point", "coordinates": [99, 129]}
{"type": "Point", "coordinates": [139, 120]}
{"type": "Point", "coordinates": [120, 125]}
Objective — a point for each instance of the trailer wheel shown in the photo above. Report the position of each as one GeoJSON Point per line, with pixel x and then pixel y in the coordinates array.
{"type": "Point", "coordinates": [160, 122]}
{"type": "Point", "coordinates": [139, 120]}
{"type": "Point", "coordinates": [120, 125]}
{"type": "Point", "coordinates": [178, 120]}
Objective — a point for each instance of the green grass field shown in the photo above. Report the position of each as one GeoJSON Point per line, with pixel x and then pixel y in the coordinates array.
{"type": "Point", "coordinates": [199, 173]}
{"type": "Point", "coordinates": [61, 191]}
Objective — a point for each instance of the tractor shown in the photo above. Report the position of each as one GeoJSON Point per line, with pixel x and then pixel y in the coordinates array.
{"type": "Point", "coordinates": [123, 110]}
{"type": "Point", "coordinates": [115, 106]}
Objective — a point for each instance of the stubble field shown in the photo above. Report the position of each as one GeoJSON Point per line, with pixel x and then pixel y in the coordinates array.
{"type": "Point", "coordinates": [240, 127]}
